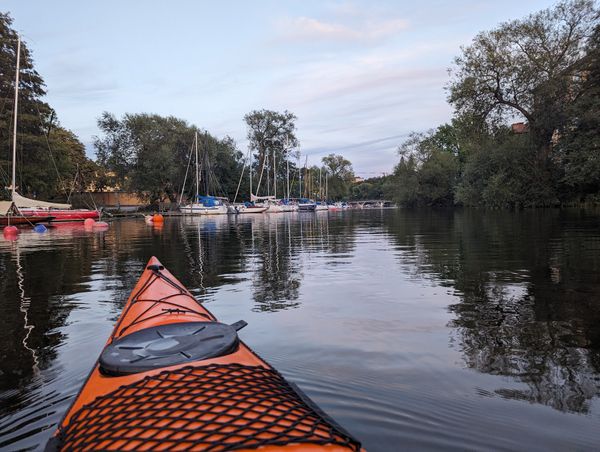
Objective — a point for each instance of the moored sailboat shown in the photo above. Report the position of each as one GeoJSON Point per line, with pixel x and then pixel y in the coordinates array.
{"type": "Point", "coordinates": [306, 205]}
{"type": "Point", "coordinates": [10, 216]}
{"type": "Point", "coordinates": [202, 205]}
{"type": "Point", "coordinates": [59, 212]}
{"type": "Point", "coordinates": [33, 207]}
{"type": "Point", "coordinates": [205, 205]}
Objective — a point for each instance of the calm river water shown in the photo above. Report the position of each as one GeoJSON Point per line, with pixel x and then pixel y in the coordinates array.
{"type": "Point", "coordinates": [415, 330]}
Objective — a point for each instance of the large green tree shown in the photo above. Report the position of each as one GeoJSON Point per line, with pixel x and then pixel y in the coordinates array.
{"type": "Point", "coordinates": [527, 68]}
{"type": "Point", "coordinates": [150, 154]}
{"type": "Point", "coordinates": [340, 176]}
{"type": "Point", "coordinates": [271, 134]}
{"type": "Point", "coordinates": [429, 167]}
{"type": "Point", "coordinates": [503, 173]}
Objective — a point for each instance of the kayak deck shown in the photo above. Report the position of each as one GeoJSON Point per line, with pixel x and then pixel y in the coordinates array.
{"type": "Point", "coordinates": [235, 401]}
{"type": "Point", "coordinates": [215, 407]}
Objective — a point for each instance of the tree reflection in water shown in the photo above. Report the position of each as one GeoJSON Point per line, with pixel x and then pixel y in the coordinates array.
{"type": "Point", "coordinates": [530, 295]}
{"type": "Point", "coordinates": [527, 285]}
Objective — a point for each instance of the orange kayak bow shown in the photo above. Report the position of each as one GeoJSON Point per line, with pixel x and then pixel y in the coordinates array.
{"type": "Point", "coordinates": [171, 377]}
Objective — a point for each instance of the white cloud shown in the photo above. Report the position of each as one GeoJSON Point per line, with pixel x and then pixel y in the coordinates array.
{"type": "Point", "coordinates": [308, 28]}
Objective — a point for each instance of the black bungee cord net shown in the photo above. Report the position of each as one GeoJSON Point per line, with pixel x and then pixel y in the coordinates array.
{"type": "Point", "coordinates": [209, 408]}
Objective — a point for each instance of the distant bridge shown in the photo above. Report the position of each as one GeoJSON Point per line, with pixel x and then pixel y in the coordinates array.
{"type": "Point", "coordinates": [373, 204]}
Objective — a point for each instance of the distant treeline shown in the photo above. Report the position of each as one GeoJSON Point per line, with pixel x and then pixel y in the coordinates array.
{"type": "Point", "coordinates": [526, 130]}
{"type": "Point", "coordinates": [154, 155]}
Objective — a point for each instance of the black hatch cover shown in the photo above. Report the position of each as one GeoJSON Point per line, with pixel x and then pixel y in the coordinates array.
{"type": "Point", "coordinates": [168, 345]}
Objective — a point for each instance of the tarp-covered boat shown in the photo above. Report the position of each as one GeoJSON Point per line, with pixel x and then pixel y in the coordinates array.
{"type": "Point", "coordinates": [61, 212]}
{"type": "Point", "coordinates": [10, 216]}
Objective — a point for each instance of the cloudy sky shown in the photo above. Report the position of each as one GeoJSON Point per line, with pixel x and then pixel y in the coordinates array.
{"type": "Point", "coordinates": [360, 75]}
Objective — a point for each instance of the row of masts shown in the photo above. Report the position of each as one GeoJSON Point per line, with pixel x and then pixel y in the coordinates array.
{"type": "Point", "coordinates": [308, 183]}
{"type": "Point", "coordinates": [198, 171]}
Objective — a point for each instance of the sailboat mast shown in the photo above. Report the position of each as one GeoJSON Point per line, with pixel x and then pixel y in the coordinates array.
{"type": "Point", "coordinates": [299, 178]}
{"type": "Point", "coordinates": [306, 177]}
{"type": "Point", "coordinates": [206, 163]}
{"type": "Point", "coordinates": [197, 172]}
{"type": "Point", "coordinates": [320, 186]}
{"type": "Point", "coordinates": [288, 177]}
{"type": "Point", "coordinates": [268, 177]}
{"type": "Point", "coordinates": [14, 156]}
{"type": "Point", "coordinates": [274, 175]}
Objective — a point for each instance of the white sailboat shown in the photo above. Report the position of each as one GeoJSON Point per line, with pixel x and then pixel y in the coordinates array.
{"type": "Point", "coordinates": [246, 207]}
{"type": "Point", "coordinates": [202, 205]}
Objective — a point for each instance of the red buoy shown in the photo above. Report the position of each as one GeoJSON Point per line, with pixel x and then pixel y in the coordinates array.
{"type": "Point", "coordinates": [10, 232]}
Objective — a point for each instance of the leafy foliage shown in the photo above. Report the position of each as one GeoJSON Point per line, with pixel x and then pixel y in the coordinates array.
{"type": "Point", "coordinates": [543, 68]}
{"type": "Point", "coordinates": [271, 134]}
{"type": "Point", "coordinates": [505, 175]}
{"type": "Point", "coordinates": [149, 154]}
{"type": "Point", "coordinates": [579, 146]}
{"type": "Point", "coordinates": [428, 168]}
{"type": "Point", "coordinates": [340, 176]}
{"type": "Point", "coordinates": [525, 66]}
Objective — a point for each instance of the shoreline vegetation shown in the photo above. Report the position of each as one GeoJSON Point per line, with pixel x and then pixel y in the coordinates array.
{"type": "Point", "coordinates": [525, 133]}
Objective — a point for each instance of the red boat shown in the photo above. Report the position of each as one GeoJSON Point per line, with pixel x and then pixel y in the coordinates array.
{"type": "Point", "coordinates": [10, 216]}
{"type": "Point", "coordinates": [16, 220]}
{"type": "Point", "coordinates": [61, 212]}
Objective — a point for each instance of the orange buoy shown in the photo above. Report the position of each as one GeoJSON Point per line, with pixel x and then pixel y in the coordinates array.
{"type": "Point", "coordinates": [157, 218]}
{"type": "Point", "coordinates": [172, 377]}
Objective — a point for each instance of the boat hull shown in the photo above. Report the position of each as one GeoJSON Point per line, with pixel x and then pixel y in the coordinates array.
{"type": "Point", "coordinates": [276, 208]}
{"type": "Point", "coordinates": [20, 220]}
{"type": "Point", "coordinates": [248, 209]}
{"type": "Point", "coordinates": [62, 215]}
{"type": "Point", "coordinates": [290, 208]}
{"type": "Point", "coordinates": [202, 210]}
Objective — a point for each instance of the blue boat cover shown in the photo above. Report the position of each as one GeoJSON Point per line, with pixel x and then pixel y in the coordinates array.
{"type": "Point", "coordinates": [208, 201]}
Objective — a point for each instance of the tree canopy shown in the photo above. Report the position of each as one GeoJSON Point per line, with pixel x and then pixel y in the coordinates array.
{"type": "Point", "coordinates": [340, 176]}
{"type": "Point", "coordinates": [541, 70]}
{"type": "Point", "coordinates": [527, 67]}
{"type": "Point", "coordinates": [271, 135]}
{"type": "Point", "coordinates": [149, 154]}
{"type": "Point", "coordinates": [579, 146]}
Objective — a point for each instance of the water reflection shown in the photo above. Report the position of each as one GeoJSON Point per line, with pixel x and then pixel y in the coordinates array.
{"type": "Point", "coordinates": [356, 306]}
{"type": "Point", "coordinates": [529, 296]}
